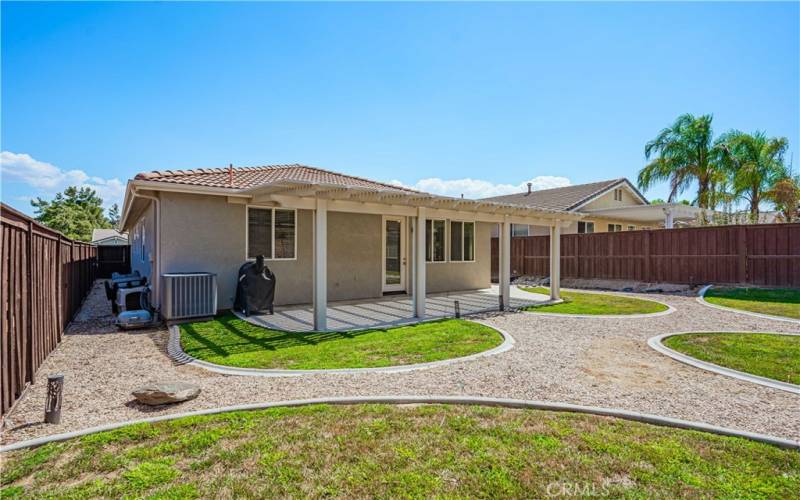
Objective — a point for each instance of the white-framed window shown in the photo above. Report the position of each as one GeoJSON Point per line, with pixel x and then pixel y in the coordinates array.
{"type": "Point", "coordinates": [462, 241]}
{"type": "Point", "coordinates": [614, 228]}
{"type": "Point", "coordinates": [585, 227]}
{"type": "Point", "coordinates": [520, 230]}
{"type": "Point", "coordinates": [272, 232]}
{"type": "Point", "coordinates": [631, 228]}
{"type": "Point", "coordinates": [142, 247]}
{"type": "Point", "coordinates": [618, 194]}
{"type": "Point", "coordinates": [435, 240]}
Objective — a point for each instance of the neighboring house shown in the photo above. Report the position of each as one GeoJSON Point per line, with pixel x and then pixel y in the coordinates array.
{"type": "Point", "coordinates": [109, 237]}
{"type": "Point", "coordinates": [113, 252]}
{"type": "Point", "coordinates": [325, 235]}
{"type": "Point", "coordinates": [606, 206]}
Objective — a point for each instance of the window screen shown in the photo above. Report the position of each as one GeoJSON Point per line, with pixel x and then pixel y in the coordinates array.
{"type": "Point", "coordinates": [259, 232]}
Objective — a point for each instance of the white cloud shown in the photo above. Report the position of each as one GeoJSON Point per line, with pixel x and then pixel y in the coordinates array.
{"type": "Point", "coordinates": [477, 188]}
{"type": "Point", "coordinates": [47, 179]}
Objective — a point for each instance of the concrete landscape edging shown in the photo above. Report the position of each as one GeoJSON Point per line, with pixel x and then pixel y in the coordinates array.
{"type": "Point", "coordinates": [702, 300]}
{"type": "Point", "coordinates": [657, 344]}
{"type": "Point", "coordinates": [453, 400]}
{"type": "Point", "coordinates": [176, 352]}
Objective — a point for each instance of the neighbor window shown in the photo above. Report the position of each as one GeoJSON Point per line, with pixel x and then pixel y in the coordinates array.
{"type": "Point", "coordinates": [519, 230]}
{"type": "Point", "coordinates": [434, 240]}
{"type": "Point", "coordinates": [585, 227]}
{"type": "Point", "coordinates": [614, 228]}
{"type": "Point", "coordinates": [462, 241]}
{"type": "Point", "coordinates": [142, 247]}
{"type": "Point", "coordinates": [271, 232]}
{"type": "Point", "coordinates": [618, 194]}
{"type": "Point", "coordinates": [631, 228]}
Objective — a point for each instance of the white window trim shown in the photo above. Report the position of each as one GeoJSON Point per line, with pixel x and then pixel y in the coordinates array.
{"type": "Point", "coordinates": [449, 237]}
{"type": "Point", "coordinates": [403, 271]}
{"type": "Point", "coordinates": [446, 241]}
{"type": "Point", "coordinates": [617, 228]}
{"type": "Point", "coordinates": [272, 233]}
{"type": "Point", "coordinates": [585, 225]}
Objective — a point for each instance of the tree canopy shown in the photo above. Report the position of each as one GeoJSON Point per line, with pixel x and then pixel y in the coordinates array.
{"type": "Point", "coordinates": [735, 167]}
{"type": "Point", "coordinates": [684, 153]}
{"type": "Point", "coordinates": [75, 212]}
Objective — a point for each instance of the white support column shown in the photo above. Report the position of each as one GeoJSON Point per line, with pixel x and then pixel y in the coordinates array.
{"type": "Point", "coordinates": [505, 263]}
{"type": "Point", "coordinates": [555, 261]}
{"type": "Point", "coordinates": [668, 219]}
{"type": "Point", "coordinates": [419, 264]}
{"type": "Point", "coordinates": [321, 265]}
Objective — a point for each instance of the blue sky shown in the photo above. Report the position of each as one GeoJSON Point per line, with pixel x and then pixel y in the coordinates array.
{"type": "Point", "coordinates": [483, 97]}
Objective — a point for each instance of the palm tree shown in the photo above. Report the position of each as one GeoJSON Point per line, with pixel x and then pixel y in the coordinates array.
{"type": "Point", "coordinates": [755, 164]}
{"type": "Point", "coordinates": [684, 153]}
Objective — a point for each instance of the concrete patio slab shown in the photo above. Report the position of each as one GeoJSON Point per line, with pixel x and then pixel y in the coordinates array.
{"type": "Point", "coordinates": [392, 310]}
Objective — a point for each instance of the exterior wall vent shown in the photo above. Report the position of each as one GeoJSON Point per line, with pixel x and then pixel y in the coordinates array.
{"type": "Point", "coordinates": [189, 295]}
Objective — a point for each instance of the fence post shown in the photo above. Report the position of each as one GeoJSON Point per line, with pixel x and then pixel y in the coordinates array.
{"type": "Point", "coordinates": [741, 252]}
{"type": "Point", "coordinates": [29, 308]}
{"type": "Point", "coordinates": [59, 304]}
{"type": "Point", "coordinates": [646, 251]}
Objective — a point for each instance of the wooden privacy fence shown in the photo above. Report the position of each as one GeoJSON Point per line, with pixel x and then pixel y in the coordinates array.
{"type": "Point", "coordinates": [766, 255]}
{"type": "Point", "coordinates": [45, 277]}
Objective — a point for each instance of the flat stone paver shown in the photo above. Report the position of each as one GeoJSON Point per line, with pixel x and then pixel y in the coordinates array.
{"type": "Point", "coordinates": [590, 361]}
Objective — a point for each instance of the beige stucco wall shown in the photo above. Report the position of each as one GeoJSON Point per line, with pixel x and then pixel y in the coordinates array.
{"type": "Point", "coordinates": [608, 201]}
{"type": "Point", "coordinates": [206, 233]}
{"type": "Point", "coordinates": [143, 256]}
{"type": "Point", "coordinates": [354, 256]}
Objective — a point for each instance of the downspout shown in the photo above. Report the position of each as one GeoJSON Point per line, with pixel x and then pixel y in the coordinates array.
{"type": "Point", "coordinates": [156, 283]}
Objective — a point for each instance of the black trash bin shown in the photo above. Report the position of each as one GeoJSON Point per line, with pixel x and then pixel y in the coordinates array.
{"type": "Point", "coordinates": [255, 290]}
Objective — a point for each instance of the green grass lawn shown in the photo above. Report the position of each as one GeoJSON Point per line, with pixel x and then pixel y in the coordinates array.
{"type": "Point", "coordinates": [383, 451]}
{"type": "Point", "coordinates": [773, 356]}
{"type": "Point", "coordinates": [228, 340]}
{"type": "Point", "coordinates": [779, 302]}
{"type": "Point", "coordinates": [596, 303]}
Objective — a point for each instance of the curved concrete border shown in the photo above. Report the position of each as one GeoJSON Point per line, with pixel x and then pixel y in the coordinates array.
{"type": "Point", "coordinates": [656, 343]}
{"type": "Point", "coordinates": [669, 310]}
{"type": "Point", "coordinates": [457, 400]}
{"type": "Point", "coordinates": [701, 299]}
{"type": "Point", "coordinates": [177, 353]}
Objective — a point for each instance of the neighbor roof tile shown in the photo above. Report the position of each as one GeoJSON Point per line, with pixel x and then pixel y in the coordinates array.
{"type": "Point", "coordinates": [564, 198]}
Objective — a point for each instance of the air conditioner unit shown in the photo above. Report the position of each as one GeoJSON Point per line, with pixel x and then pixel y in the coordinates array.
{"type": "Point", "coordinates": [189, 295]}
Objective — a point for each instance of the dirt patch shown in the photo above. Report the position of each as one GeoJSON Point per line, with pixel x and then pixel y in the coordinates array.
{"type": "Point", "coordinates": [623, 362]}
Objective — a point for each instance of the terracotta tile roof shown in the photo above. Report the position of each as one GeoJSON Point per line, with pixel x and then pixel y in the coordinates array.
{"type": "Point", "coordinates": [565, 198]}
{"type": "Point", "coordinates": [250, 177]}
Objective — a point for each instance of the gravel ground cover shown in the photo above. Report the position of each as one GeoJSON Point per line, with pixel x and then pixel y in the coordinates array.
{"type": "Point", "coordinates": [417, 451]}
{"type": "Point", "coordinates": [590, 361]}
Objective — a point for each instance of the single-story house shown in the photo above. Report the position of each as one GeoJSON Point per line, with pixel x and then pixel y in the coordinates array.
{"type": "Point", "coordinates": [606, 206]}
{"type": "Point", "coordinates": [325, 235]}
{"type": "Point", "coordinates": [109, 237]}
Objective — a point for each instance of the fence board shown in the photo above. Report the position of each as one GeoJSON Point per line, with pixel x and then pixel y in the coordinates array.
{"type": "Point", "coordinates": [45, 276]}
{"type": "Point", "coordinates": [767, 255]}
